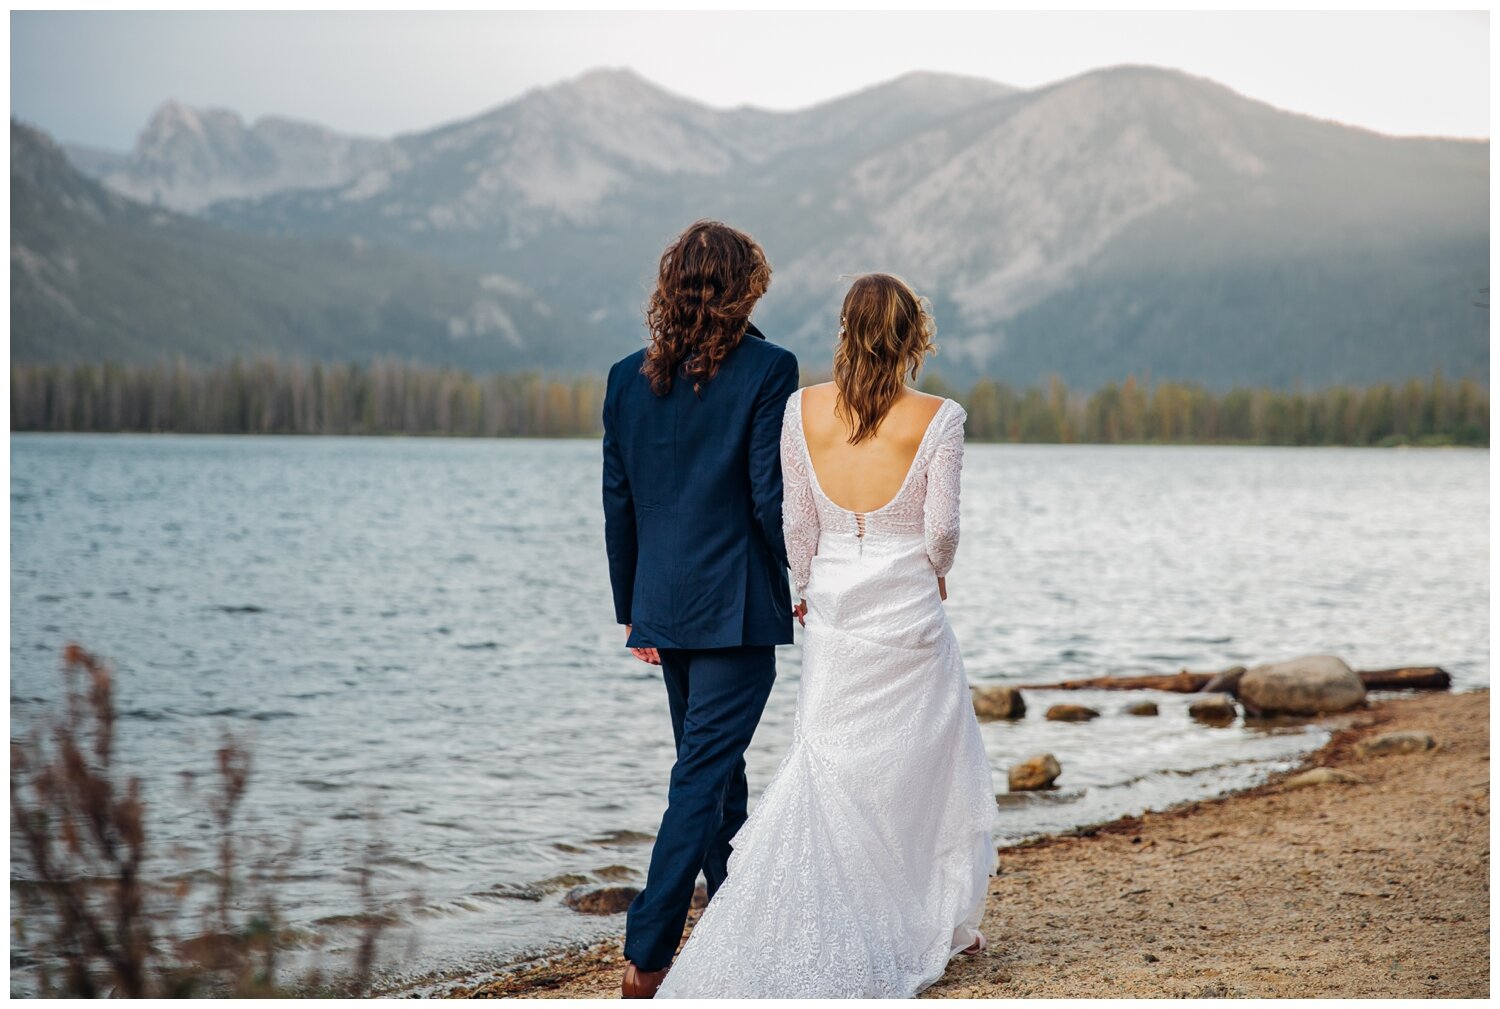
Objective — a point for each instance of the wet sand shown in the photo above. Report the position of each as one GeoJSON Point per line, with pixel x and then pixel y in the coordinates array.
{"type": "Point", "coordinates": [1378, 889]}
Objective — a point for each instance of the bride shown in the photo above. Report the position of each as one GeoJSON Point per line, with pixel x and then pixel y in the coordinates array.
{"type": "Point", "coordinates": [864, 867]}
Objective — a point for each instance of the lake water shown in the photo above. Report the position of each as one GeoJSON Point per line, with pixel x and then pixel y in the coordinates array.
{"type": "Point", "coordinates": [417, 639]}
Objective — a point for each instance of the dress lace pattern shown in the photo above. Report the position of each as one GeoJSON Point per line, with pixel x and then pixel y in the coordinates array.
{"type": "Point", "coordinates": [864, 866]}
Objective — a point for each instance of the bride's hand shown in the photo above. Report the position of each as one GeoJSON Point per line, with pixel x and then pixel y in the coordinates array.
{"type": "Point", "coordinates": [943, 589]}
{"type": "Point", "coordinates": [800, 612]}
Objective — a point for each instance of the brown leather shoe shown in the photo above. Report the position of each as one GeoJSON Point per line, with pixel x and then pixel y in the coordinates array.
{"type": "Point", "coordinates": [641, 983]}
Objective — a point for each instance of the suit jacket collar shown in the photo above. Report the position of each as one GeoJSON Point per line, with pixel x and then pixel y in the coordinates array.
{"type": "Point", "coordinates": [750, 330]}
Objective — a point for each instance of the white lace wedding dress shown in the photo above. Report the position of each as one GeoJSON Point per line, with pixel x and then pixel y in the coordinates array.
{"type": "Point", "coordinates": [864, 866]}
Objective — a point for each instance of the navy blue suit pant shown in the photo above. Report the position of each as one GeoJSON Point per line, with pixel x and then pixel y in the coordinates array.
{"type": "Point", "coordinates": [716, 696]}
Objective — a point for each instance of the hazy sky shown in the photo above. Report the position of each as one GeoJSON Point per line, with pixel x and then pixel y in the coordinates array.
{"type": "Point", "coordinates": [95, 77]}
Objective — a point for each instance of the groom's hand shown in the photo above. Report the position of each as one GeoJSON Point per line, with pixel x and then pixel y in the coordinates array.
{"type": "Point", "coordinates": [650, 656]}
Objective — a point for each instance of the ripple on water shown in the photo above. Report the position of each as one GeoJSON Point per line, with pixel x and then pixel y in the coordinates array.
{"type": "Point", "coordinates": [322, 785]}
{"type": "Point", "coordinates": [242, 713]}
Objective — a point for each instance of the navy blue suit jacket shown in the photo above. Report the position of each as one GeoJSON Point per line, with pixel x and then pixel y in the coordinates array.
{"type": "Point", "coordinates": [692, 502]}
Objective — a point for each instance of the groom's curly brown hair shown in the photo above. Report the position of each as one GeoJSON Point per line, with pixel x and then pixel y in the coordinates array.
{"type": "Point", "coordinates": [709, 280]}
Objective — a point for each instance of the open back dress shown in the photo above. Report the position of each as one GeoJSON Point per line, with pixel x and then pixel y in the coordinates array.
{"type": "Point", "coordinates": [864, 866]}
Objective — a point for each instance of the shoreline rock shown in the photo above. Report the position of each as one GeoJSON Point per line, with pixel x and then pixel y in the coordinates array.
{"type": "Point", "coordinates": [1071, 713]}
{"type": "Point", "coordinates": [600, 899]}
{"type": "Point", "coordinates": [1306, 685]}
{"type": "Point", "coordinates": [1227, 682]}
{"type": "Point", "coordinates": [1034, 773]}
{"type": "Point", "coordinates": [1216, 710]}
{"type": "Point", "coordinates": [996, 703]}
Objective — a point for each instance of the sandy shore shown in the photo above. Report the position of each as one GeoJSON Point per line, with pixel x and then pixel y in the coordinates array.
{"type": "Point", "coordinates": [1334, 891]}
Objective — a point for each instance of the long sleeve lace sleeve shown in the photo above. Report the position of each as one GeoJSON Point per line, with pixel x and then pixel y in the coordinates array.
{"type": "Point", "coordinates": [940, 509]}
{"type": "Point", "coordinates": [799, 512]}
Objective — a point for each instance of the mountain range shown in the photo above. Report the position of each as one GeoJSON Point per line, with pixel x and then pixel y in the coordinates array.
{"type": "Point", "coordinates": [1128, 220]}
{"type": "Point", "coordinates": [97, 277]}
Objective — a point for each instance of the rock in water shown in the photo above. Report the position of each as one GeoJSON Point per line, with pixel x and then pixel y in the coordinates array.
{"type": "Point", "coordinates": [1227, 682]}
{"type": "Point", "coordinates": [1070, 713]}
{"type": "Point", "coordinates": [1396, 742]}
{"type": "Point", "coordinates": [1309, 685]}
{"type": "Point", "coordinates": [991, 703]}
{"type": "Point", "coordinates": [1218, 710]}
{"type": "Point", "coordinates": [600, 899]}
{"type": "Point", "coordinates": [1323, 776]}
{"type": "Point", "coordinates": [552, 884]}
{"type": "Point", "coordinates": [1035, 773]}
{"type": "Point", "coordinates": [1142, 708]}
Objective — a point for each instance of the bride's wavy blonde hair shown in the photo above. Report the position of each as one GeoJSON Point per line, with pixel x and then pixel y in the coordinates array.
{"type": "Point", "coordinates": [885, 334]}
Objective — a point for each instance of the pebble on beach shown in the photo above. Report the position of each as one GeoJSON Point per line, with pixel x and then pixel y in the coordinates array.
{"type": "Point", "coordinates": [1142, 708]}
{"type": "Point", "coordinates": [1323, 776]}
{"type": "Point", "coordinates": [1413, 741]}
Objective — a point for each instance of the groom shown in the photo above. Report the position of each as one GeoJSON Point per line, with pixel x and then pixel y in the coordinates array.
{"type": "Point", "coordinates": [692, 527]}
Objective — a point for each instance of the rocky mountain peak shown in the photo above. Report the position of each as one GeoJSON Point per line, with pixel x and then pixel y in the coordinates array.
{"type": "Point", "coordinates": [175, 122]}
{"type": "Point", "coordinates": [607, 82]}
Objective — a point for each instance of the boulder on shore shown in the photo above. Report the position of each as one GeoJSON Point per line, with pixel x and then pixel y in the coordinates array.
{"type": "Point", "coordinates": [1142, 708]}
{"type": "Point", "coordinates": [993, 703]}
{"type": "Point", "coordinates": [1070, 713]}
{"type": "Point", "coordinates": [1034, 773]}
{"type": "Point", "coordinates": [1413, 741]}
{"type": "Point", "coordinates": [1309, 685]}
{"type": "Point", "coordinates": [600, 899]}
{"type": "Point", "coordinates": [1323, 776]}
{"type": "Point", "coordinates": [1216, 710]}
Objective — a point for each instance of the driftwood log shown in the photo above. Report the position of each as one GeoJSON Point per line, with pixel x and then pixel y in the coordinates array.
{"type": "Point", "coordinates": [1180, 683]}
{"type": "Point", "coordinates": [1405, 678]}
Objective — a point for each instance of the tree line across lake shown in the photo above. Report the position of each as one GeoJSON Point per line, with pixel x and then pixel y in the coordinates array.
{"type": "Point", "coordinates": [270, 396]}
